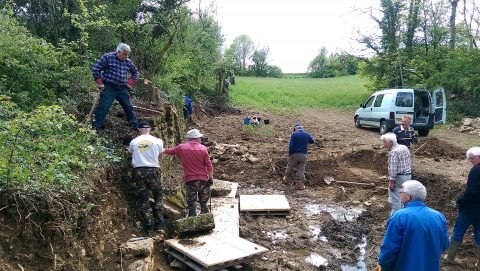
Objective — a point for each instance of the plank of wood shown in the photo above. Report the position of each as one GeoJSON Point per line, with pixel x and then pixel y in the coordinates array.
{"type": "Point", "coordinates": [253, 203]}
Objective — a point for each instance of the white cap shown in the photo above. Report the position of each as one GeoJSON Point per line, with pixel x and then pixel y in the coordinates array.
{"type": "Point", "coordinates": [194, 133]}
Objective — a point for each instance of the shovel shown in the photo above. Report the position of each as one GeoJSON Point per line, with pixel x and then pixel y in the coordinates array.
{"type": "Point", "coordinates": [329, 180]}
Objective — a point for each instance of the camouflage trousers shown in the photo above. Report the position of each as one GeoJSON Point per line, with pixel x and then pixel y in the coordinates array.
{"type": "Point", "coordinates": [148, 178]}
{"type": "Point", "coordinates": [197, 189]}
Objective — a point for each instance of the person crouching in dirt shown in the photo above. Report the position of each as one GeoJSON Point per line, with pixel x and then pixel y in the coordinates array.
{"type": "Point", "coordinates": [416, 235]}
{"type": "Point", "coordinates": [297, 155]}
{"type": "Point", "coordinates": [399, 168]}
{"type": "Point", "coordinates": [197, 171]}
{"type": "Point", "coordinates": [468, 204]}
{"type": "Point", "coordinates": [405, 133]}
{"type": "Point", "coordinates": [146, 151]}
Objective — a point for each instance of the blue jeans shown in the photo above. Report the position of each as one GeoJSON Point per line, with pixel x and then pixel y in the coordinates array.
{"type": "Point", "coordinates": [462, 224]}
{"type": "Point", "coordinates": [110, 93]}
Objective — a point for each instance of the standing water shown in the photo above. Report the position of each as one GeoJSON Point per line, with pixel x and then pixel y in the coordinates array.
{"type": "Point", "coordinates": [361, 266]}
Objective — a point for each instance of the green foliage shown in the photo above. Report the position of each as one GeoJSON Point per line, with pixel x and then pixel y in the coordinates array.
{"type": "Point", "coordinates": [274, 71]}
{"type": "Point", "coordinates": [46, 150]}
{"type": "Point", "coordinates": [324, 65]}
{"type": "Point", "coordinates": [259, 130]}
{"type": "Point", "coordinates": [32, 71]}
{"type": "Point", "coordinates": [239, 52]}
{"type": "Point", "coordinates": [288, 95]}
{"type": "Point", "coordinates": [8, 109]}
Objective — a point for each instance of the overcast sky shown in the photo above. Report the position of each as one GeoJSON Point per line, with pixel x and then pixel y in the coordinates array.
{"type": "Point", "coordinates": [294, 30]}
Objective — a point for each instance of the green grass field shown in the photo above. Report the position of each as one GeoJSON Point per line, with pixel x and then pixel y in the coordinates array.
{"type": "Point", "coordinates": [287, 95]}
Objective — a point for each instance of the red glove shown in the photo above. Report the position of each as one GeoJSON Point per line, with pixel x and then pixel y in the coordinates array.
{"type": "Point", "coordinates": [100, 84]}
{"type": "Point", "coordinates": [391, 184]}
{"type": "Point", "coordinates": [131, 83]}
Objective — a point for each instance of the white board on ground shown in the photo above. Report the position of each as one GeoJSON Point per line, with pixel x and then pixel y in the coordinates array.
{"type": "Point", "coordinates": [210, 251]}
{"type": "Point", "coordinates": [226, 216]}
{"type": "Point", "coordinates": [256, 203]}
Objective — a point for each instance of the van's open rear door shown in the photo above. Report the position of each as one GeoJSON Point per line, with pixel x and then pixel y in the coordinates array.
{"type": "Point", "coordinates": [439, 105]}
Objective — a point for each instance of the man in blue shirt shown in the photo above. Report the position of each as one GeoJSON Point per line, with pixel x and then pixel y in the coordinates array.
{"type": "Point", "coordinates": [111, 73]}
{"type": "Point", "coordinates": [416, 235]}
{"type": "Point", "coordinates": [297, 155]}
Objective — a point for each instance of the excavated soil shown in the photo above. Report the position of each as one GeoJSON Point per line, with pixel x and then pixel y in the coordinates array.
{"type": "Point", "coordinates": [336, 226]}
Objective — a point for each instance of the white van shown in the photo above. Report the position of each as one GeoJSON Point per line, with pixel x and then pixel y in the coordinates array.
{"type": "Point", "coordinates": [385, 108]}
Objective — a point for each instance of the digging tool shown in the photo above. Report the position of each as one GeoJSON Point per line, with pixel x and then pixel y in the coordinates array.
{"type": "Point", "coordinates": [329, 180]}
{"type": "Point", "coordinates": [95, 102]}
{"type": "Point", "coordinates": [417, 149]}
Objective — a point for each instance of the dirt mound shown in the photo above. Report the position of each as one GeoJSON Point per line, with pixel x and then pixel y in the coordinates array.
{"type": "Point", "coordinates": [439, 149]}
{"type": "Point", "coordinates": [370, 159]}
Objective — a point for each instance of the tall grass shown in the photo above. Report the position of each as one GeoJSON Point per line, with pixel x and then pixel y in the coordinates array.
{"type": "Point", "coordinates": [288, 95]}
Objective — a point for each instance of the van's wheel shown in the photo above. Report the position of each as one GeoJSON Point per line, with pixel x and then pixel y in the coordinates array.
{"type": "Point", "coordinates": [357, 122]}
{"type": "Point", "coordinates": [423, 132]}
{"type": "Point", "coordinates": [383, 127]}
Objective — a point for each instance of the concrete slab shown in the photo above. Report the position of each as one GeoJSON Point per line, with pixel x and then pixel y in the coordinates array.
{"type": "Point", "coordinates": [210, 252]}
{"type": "Point", "coordinates": [264, 204]}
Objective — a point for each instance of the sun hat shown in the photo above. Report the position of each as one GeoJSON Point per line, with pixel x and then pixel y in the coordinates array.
{"type": "Point", "coordinates": [194, 133]}
{"type": "Point", "coordinates": [144, 124]}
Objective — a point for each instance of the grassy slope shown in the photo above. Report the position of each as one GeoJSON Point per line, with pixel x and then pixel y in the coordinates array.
{"type": "Point", "coordinates": [288, 95]}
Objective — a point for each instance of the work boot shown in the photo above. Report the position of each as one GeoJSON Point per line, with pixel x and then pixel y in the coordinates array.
{"type": "Point", "coordinates": [452, 251]}
{"type": "Point", "coordinates": [148, 228]}
{"type": "Point", "coordinates": [477, 251]}
{"type": "Point", "coordinates": [204, 209]}
{"type": "Point", "coordinates": [192, 211]}
{"type": "Point", "coordinates": [159, 224]}
{"type": "Point", "coordinates": [300, 185]}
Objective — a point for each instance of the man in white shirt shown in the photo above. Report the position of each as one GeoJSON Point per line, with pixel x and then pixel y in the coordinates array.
{"type": "Point", "coordinates": [146, 151]}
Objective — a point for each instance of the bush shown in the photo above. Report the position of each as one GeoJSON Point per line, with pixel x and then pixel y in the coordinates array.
{"type": "Point", "coordinates": [32, 71]}
{"type": "Point", "coordinates": [46, 150]}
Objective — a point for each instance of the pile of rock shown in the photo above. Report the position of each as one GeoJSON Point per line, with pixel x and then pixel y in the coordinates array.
{"type": "Point", "coordinates": [223, 152]}
{"type": "Point", "coordinates": [471, 126]}
{"type": "Point", "coordinates": [138, 254]}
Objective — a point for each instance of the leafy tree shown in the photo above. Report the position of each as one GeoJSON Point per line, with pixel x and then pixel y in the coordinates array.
{"type": "Point", "coordinates": [319, 67]}
{"type": "Point", "coordinates": [259, 59]}
{"type": "Point", "coordinates": [242, 48]}
{"type": "Point", "coordinates": [274, 71]}
{"type": "Point", "coordinates": [33, 72]}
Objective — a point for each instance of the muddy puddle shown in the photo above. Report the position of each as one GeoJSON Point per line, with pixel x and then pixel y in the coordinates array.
{"type": "Point", "coordinates": [314, 235]}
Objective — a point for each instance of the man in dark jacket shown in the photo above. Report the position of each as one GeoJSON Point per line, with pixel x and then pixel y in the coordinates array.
{"type": "Point", "coordinates": [111, 73]}
{"type": "Point", "coordinates": [405, 133]}
{"type": "Point", "coordinates": [468, 204]}
{"type": "Point", "coordinates": [297, 155]}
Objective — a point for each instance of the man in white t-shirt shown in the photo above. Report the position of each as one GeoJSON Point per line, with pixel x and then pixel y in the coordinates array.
{"type": "Point", "coordinates": [146, 151]}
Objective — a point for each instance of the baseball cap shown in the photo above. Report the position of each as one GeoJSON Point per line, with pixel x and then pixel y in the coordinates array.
{"type": "Point", "coordinates": [144, 124]}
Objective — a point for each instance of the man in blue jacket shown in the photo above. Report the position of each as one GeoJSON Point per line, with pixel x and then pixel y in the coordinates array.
{"type": "Point", "coordinates": [416, 235]}
{"type": "Point", "coordinates": [297, 155]}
